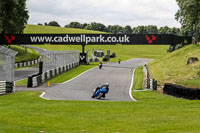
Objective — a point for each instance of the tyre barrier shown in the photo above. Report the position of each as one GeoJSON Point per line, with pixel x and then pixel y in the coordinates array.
{"type": "Point", "coordinates": [37, 79]}
{"type": "Point", "coordinates": [6, 87]}
{"type": "Point", "coordinates": [28, 63]}
{"type": "Point", "coordinates": [181, 92]}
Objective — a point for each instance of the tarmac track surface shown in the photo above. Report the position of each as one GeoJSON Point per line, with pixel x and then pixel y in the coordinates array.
{"type": "Point", "coordinates": [23, 73]}
{"type": "Point", "coordinates": [119, 76]}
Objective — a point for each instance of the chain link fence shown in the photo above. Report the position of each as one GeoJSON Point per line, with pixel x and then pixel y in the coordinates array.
{"type": "Point", "coordinates": [7, 64]}
{"type": "Point", "coordinates": [55, 59]}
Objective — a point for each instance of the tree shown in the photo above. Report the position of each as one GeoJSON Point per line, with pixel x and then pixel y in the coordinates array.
{"type": "Point", "coordinates": [151, 29]}
{"type": "Point", "coordinates": [73, 25]}
{"type": "Point", "coordinates": [96, 26]}
{"type": "Point", "coordinates": [189, 17]}
{"type": "Point", "coordinates": [139, 30]}
{"type": "Point", "coordinates": [83, 25]}
{"type": "Point", "coordinates": [164, 30]}
{"type": "Point", "coordinates": [13, 16]}
{"type": "Point", "coordinates": [127, 30]}
{"type": "Point", "coordinates": [175, 31]}
{"type": "Point", "coordinates": [53, 23]}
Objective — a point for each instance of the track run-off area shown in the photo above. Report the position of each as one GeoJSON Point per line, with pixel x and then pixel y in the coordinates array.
{"type": "Point", "coordinates": [119, 77]}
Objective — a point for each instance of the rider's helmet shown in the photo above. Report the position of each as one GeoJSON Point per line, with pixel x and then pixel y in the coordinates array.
{"type": "Point", "coordinates": [107, 85]}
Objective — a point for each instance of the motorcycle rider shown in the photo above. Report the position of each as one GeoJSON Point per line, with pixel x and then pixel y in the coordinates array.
{"type": "Point", "coordinates": [106, 86]}
{"type": "Point", "coordinates": [100, 65]}
{"type": "Point", "coordinates": [119, 60]}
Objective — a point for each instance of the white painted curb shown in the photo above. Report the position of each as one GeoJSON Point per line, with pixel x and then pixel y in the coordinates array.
{"type": "Point", "coordinates": [131, 86]}
{"type": "Point", "coordinates": [42, 96]}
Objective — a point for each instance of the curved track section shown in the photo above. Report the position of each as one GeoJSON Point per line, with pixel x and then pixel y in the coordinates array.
{"type": "Point", "coordinates": [119, 76]}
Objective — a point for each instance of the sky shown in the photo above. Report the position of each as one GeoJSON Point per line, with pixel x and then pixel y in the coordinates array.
{"type": "Point", "coordinates": [107, 12]}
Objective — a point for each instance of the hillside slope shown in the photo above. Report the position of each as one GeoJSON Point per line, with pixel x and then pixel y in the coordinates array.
{"type": "Point", "coordinates": [173, 67]}
{"type": "Point", "coordinates": [22, 55]}
{"type": "Point", "coordinates": [52, 29]}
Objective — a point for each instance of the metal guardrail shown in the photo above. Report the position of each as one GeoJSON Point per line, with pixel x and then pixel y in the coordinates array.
{"type": "Point", "coordinates": [27, 63]}
{"type": "Point", "coordinates": [38, 79]}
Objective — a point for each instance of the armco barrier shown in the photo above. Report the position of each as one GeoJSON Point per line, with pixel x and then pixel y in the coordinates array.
{"type": "Point", "coordinates": [38, 79]}
{"type": "Point", "coordinates": [28, 63]}
{"type": "Point", "coordinates": [149, 83]}
{"type": "Point", "coordinates": [6, 87]}
{"type": "Point", "coordinates": [181, 92]}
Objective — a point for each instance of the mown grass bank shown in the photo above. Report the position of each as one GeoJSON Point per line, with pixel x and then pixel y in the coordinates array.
{"type": "Point", "coordinates": [52, 29]}
{"type": "Point", "coordinates": [24, 55]}
{"type": "Point", "coordinates": [173, 67]}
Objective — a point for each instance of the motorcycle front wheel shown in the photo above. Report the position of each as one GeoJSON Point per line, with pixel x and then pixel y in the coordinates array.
{"type": "Point", "coordinates": [100, 95]}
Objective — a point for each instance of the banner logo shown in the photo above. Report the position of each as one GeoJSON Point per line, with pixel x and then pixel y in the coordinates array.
{"type": "Point", "coordinates": [150, 41]}
{"type": "Point", "coordinates": [9, 38]}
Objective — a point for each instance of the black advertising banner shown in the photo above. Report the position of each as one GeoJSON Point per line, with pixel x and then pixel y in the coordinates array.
{"type": "Point", "coordinates": [92, 39]}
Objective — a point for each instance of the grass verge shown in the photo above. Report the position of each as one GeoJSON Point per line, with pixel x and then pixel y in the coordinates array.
{"type": "Point", "coordinates": [138, 78]}
{"type": "Point", "coordinates": [22, 82]}
{"type": "Point", "coordinates": [22, 55]}
{"type": "Point", "coordinates": [72, 73]}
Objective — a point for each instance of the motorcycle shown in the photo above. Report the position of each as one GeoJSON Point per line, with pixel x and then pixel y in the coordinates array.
{"type": "Point", "coordinates": [99, 93]}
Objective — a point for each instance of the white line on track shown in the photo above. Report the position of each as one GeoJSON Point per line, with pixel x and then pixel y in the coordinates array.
{"type": "Point", "coordinates": [79, 75]}
{"type": "Point", "coordinates": [130, 89]}
{"type": "Point", "coordinates": [43, 93]}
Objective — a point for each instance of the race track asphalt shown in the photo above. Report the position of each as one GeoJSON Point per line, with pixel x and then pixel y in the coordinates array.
{"type": "Point", "coordinates": [23, 73]}
{"type": "Point", "coordinates": [119, 76]}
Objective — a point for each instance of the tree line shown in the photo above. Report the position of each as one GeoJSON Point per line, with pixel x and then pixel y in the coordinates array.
{"type": "Point", "coordinates": [117, 29]}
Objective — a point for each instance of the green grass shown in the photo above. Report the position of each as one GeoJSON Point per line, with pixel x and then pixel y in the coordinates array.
{"type": "Point", "coordinates": [23, 112]}
{"type": "Point", "coordinates": [173, 67]}
{"type": "Point", "coordinates": [138, 78]}
{"type": "Point", "coordinates": [72, 73]}
{"type": "Point", "coordinates": [52, 29]}
{"type": "Point", "coordinates": [124, 52]}
{"type": "Point", "coordinates": [195, 83]}
{"type": "Point", "coordinates": [22, 55]}
{"type": "Point", "coordinates": [22, 82]}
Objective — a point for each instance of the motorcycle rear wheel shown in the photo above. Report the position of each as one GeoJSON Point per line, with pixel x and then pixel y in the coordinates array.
{"type": "Point", "coordinates": [100, 95]}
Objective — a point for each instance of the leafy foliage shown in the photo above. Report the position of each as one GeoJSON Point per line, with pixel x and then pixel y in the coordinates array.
{"type": "Point", "coordinates": [13, 16]}
{"type": "Point", "coordinates": [53, 23]}
{"type": "Point", "coordinates": [189, 17]}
